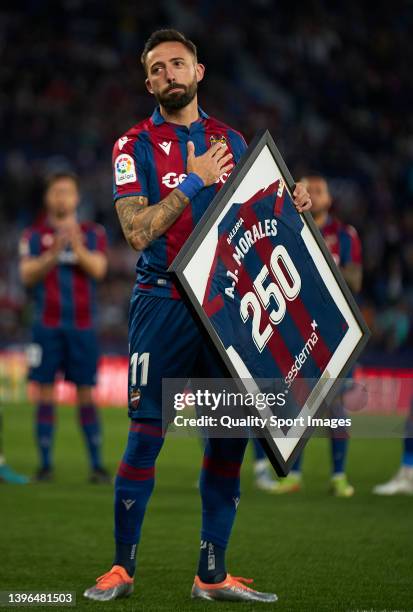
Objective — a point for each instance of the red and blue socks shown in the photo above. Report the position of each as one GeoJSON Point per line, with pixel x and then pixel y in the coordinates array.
{"type": "Point", "coordinates": [45, 429]}
{"type": "Point", "coordinates": [339, 446]}
{"type": "Point", "coordinates": [220, 494]}
{"type": "Point", "coordinates": [339, 441]}
{"type": "Point", "coordinates": [90, 424]}
{"type": "Point", "coordinates": [211, 566]}
{"type": "Point", "coordinates": [44, 432]}
{"type": "Point", "coordinates": [134, 484]}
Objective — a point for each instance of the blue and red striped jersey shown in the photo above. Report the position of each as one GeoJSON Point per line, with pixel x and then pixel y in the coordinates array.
{"type": "Point", "coordinates": [150, 160]}
{"type": "Point", "coordinates": [342, 240]}
{"type": "Point", "coordinates": [66, 297]}
{"type": "Point", "coordinates": [265, 297]}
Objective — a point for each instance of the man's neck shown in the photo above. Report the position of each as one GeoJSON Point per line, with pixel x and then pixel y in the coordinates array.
{"type": "Point", "coordinates": [183, 116]}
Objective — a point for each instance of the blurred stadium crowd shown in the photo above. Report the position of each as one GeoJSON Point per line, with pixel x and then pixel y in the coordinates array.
{"type": "Point", "coordinates": [331, 81]}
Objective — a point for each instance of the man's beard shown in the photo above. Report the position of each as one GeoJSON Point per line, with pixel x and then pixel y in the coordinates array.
{"type": "Point", "coordinates": [179, 99]}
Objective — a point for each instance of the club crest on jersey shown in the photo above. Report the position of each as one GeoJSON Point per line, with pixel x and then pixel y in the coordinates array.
{"type": "Point", "coordinates": [135, 397]}
{"type": "Point", "coordinates": [214, 139]}
{"type": "Point", "coordinates": [125, 171]}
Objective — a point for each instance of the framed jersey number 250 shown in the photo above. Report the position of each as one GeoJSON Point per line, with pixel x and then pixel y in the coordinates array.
{"type": "Point", "coordinates": [264, 286]}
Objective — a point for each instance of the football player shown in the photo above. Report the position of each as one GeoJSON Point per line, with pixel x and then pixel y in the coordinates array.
{"type": "Point", "coordinates": [61, 261]}
{"type": "Point", "coordinates": [167, 169]}
{"type": "Point", "coordinates": [344, 245]}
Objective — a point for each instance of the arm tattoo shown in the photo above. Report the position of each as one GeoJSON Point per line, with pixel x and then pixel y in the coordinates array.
{"type": "Point", "coordinates": [142, 224]}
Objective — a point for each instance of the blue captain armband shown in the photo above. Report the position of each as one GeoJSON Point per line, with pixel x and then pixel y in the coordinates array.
{"type": "Point", "coordinates": [191, 185]}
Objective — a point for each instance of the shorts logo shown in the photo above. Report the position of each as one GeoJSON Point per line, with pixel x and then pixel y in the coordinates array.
{"type": "Point", "coordinates": [34, 354]}
{"type": "Point", "coordinates": [135, 397]}
{"type": "Point", "coordinates": [214, 139]}
{"type": "Point", "coordinates": [125, 171]}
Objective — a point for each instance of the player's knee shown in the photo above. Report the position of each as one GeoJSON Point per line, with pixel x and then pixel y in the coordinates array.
{"type": "Point", "coordinates": [142, 450]}
{"type": "Point", "coordinates": [226, 449]}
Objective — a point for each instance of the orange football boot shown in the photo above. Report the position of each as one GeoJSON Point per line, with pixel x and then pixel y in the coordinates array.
{"type": "Point", "coordinates": [114, 584]}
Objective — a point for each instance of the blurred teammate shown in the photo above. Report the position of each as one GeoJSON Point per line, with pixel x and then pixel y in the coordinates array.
{"type": "Point", "coordinates": [61, 260]}
{"type": "Point", "coordinates": [344, 245]}
{"type": "Point", "coordinates": [167, 170]}
{"type": "Point", "coordinates": [402, 481]}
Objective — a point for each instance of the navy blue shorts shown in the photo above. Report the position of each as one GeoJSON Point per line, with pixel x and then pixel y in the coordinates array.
{"type": "Point", "coordinates": [73, 352]}
{"type": "Point", "coordinates": [164, 342]}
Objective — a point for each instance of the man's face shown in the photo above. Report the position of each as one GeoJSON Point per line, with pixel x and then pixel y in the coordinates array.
{"type": "Point", "coordinates": [320, 196]}
{"type": "Point", "coordinates": [62, 198]}
{"type": "Point", "coordinates": [173, 75]}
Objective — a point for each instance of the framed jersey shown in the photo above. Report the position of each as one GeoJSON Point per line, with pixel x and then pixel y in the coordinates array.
{"type": "Point", "coordinates": [263, 284]}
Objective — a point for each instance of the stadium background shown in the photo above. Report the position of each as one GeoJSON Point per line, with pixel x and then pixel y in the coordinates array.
{"type": "Point", "coordinates": [333, 85]}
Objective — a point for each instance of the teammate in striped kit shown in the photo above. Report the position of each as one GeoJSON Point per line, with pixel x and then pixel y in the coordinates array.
{"type": "Point", "coordinates": [344, 245]}
{"type": "Point", "coordinates": [167, 170]}
{"type": "Point", "coordinates": [60, 261]}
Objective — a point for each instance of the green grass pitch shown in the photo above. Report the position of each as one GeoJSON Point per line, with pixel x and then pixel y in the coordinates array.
{"type": "Point", "coordinates": [316, 552]}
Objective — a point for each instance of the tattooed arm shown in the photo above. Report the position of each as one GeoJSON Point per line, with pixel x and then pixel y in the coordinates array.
{"type": "Point", "coordinates": [142, 224]}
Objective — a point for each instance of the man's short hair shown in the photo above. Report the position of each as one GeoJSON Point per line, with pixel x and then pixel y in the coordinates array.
{"type": "Point", "coordinates": [166, 35]}
{"type": "Point", "coordinates": [57, 176]}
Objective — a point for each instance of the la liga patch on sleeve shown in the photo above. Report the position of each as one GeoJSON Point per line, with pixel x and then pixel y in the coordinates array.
{"type": "Point", "coordinates": [125, 171]}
